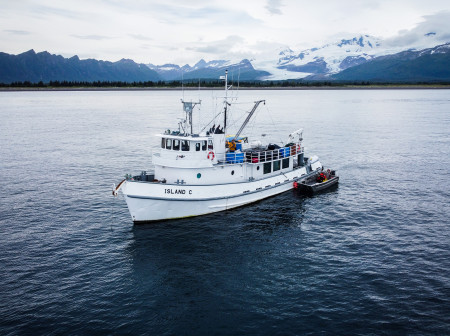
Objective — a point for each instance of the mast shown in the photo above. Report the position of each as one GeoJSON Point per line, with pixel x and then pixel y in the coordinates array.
{"type": "Point", "coordinates": [226, 103]}
{"type": "Point", "coordinates": [188, 107]}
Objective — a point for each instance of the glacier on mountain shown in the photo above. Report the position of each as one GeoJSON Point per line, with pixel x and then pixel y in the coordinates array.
{"type": "Point", "coordinates": [297, 63]}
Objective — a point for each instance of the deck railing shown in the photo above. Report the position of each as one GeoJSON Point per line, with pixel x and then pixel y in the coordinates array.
{"type": "Point", "coordinates": [263, 156]}
{"type": "Point", "coordinates": [252, 156]}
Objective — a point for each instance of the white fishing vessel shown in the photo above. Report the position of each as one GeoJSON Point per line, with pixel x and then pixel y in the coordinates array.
{"type": "Point", "coordinates": [197, 174]}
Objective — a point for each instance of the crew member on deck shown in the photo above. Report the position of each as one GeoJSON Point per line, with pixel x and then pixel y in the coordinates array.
{"type": "Point", "coordinates": [232, 145]}
{"type": "Point", "coordinates": [321, 177]}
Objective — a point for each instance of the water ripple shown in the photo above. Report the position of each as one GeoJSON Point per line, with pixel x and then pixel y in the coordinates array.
{"type": "Point", "coordinates": [368, 257]}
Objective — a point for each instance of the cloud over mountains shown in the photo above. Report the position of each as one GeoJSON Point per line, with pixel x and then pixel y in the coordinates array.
{"type": "Point", "coordinates": [153, 30]}
{"type": "Point", "coordinates": [435, 28]}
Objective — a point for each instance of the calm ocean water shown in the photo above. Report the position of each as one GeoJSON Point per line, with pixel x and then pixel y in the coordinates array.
{"type": "Point", "coordinates": [369, 257]}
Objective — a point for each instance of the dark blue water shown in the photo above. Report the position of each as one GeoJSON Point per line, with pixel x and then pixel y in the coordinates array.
{"type": "Point", "coordinates": [369, 257]}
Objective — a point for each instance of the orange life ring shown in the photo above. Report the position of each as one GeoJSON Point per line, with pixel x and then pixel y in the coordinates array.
{"type": "Point", "coordinates": [211, 156]}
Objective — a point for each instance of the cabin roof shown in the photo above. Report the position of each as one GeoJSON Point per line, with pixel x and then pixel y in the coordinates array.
{"type": "Point", "coordinates": [184, 137]}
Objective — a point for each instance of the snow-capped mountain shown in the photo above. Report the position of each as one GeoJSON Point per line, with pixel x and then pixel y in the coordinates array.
{"type": "Point", "coordinates": [175, 72]}
{"type": "Point", "coordinates": [335, 57]}
{"type": "Point", "coordinates": [209, 70]}
{"type": "Point", "coordinates": [325, 60]}
{"type": "Point", "coordinates": [295, 63]}
{"type": "Point", "coordinates": [427, 65]}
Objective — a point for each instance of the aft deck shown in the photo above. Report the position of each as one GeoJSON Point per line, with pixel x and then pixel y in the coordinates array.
{"type": "Point", "coordinates": [258, 155]}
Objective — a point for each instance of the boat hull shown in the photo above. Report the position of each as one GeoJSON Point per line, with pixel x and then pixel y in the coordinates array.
{"type": "Point", "coordinates": [157, 201]}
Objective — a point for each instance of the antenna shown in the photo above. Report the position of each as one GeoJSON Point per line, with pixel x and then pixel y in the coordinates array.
{"type": "Point", "coordinates": [239, 77]}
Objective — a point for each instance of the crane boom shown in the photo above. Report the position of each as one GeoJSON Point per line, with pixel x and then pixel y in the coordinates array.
{"type": "Point", "coordinates": [248, 118]}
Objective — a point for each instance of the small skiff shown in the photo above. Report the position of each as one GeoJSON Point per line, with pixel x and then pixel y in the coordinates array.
{"type": "Point", "coordinates": [318, 182]}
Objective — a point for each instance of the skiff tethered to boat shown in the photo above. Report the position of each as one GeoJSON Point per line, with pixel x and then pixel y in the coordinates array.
{"type": "Point", "coordinates": [320, 181]}
{"type": "Point", "coordinates": [197, 174]}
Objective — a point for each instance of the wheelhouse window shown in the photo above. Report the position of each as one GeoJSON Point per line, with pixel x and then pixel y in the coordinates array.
{"type": "Point", "coordinates": [176, 144]}
{"type": "Point", "coordinates": [267, 167]}
{"type": "Point", "coordinates": [185, 145]}
{"type": "Point", "coordinates": [276, 165]}
{"type": "Point", "coordinates": [285, 163]}
{"type": "Point", "coordinates": [197, 146]}
{"type": "Point", "coordinates": [163, 143]}
{"type": "Point", "coordinates": [210, 145]}
{"type": "Point", "coordinates": [203, 145]}
{"type": "Point", "coordinates": [169, 144]}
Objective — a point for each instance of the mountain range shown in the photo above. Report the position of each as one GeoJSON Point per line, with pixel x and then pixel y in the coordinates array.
{"type": "Point", "coordinates": [361, 58]}
{"type": "Point", "coordinates": [35, 67]}
{"type": "Point", "coordinates": [242, 70]}
{"type": "Point", "coordinates": [428, 65]}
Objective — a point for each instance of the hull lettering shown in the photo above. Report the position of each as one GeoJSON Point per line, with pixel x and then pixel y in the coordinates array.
{"type": "Point", "coordinates": [177, 191]}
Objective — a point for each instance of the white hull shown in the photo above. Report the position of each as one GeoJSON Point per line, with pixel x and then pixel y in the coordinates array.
{"type": "Point", "coordinates": [157, 201]}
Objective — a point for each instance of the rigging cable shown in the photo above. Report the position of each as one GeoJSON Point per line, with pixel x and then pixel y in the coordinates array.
{"type": "Point", "coordinates": [273, 123]}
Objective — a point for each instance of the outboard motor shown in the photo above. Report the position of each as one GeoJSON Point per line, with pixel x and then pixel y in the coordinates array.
{"type": "Point", "coordinates": [300, 160]}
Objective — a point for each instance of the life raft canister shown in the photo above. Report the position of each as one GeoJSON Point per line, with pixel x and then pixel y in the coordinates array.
{"type": "Point", "coordinates": [211, 156]}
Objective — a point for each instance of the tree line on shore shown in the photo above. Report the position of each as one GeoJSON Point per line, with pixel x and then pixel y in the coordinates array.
{"type": "Point", "coordinates": [202, 83]}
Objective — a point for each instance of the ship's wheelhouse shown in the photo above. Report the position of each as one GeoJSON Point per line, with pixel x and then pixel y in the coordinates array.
{"type": "Point", "coordinates": [186, 144]}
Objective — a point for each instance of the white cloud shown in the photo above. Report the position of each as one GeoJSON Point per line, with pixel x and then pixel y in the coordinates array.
{"type": "Point", "coordinates": [92, 37]}
{"type": "Point", "coordinates": [141, 37]}
{"type": "Point", "coordinates": [17, 32]}
{"type": "Point", "coordinates": [217, 47]}
{"type": "Point", "coordinates": [183, 32]}
{"type": "Point", "coordinates": [274, 7]}
{"type": "Point", "coordinates": [433, 30]}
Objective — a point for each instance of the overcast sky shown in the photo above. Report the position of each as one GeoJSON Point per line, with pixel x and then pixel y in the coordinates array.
{"type": "Point", "coordinates": [184, 31]}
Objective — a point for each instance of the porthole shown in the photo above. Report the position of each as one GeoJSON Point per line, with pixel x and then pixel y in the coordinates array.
{"type": "Point", "coordinates": [199, 175]}
{"type": "Point", "coordinates": [257, 168]}
{"type": "Point", "coordinates": [232, 172]}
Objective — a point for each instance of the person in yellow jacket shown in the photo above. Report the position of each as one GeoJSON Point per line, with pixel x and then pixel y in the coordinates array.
{"type": "Point", "coordinates": [232, 146]}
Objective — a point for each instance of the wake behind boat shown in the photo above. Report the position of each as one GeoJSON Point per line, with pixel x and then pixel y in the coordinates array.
{"type": "Point", "coordinates": [197, 174]}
